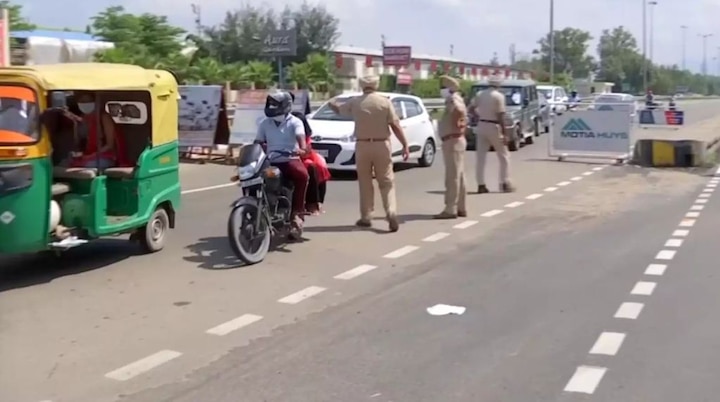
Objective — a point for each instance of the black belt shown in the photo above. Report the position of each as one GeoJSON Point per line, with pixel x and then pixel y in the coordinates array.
{"type": "Point", "coordinates": [372, 139]}
{"type": "Point", "coordinates": [489, 121]}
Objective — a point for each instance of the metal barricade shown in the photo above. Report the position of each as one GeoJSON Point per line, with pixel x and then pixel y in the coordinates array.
{"type": "Point", "coordinates": [661, 118]}
{"type": "Point", "coordinates": [598, 130]}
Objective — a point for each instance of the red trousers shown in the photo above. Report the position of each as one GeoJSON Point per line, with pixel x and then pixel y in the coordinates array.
{"type": "Point", "coordinates": [296, 171]}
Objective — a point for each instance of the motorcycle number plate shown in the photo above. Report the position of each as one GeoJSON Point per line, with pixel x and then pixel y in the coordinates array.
{"type": "Point", "coordinates": [251, 182]}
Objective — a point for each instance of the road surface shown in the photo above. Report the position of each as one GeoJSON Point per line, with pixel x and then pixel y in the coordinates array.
{"type": "Point", "coordinates": [342, 315]}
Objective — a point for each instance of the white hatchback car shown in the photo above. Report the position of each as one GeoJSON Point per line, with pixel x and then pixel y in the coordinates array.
{"type": "Point", "coordinates": [333, 135]}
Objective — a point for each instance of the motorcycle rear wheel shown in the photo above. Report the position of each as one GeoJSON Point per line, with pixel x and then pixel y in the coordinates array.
{"type": "Point", "coordinates": [248, 245]}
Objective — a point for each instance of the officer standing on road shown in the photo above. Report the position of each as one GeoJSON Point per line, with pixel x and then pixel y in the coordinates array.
{"type": "Point", "coordinates": [374, 117]}
{"type": "Point", "coordinates": [451, 129]}
{"type": "Point", "coordinates": [489, 108]}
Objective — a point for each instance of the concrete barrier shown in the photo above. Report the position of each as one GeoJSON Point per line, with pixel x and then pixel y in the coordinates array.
{"type": "Point", "coordinates": [672, 153]}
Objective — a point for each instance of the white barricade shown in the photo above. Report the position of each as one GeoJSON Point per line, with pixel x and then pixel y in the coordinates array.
{"type": "Point", "coordinates": [599, 132]}
{"type": "Point", "coordinates": [661, 118]}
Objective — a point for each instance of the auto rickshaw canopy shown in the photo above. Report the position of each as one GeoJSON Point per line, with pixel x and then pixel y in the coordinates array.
{"type": "Point", "coordinates": [161, 84]}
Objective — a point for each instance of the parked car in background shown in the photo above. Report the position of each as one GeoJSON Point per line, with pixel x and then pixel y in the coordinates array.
{"type": "Point", "coordinates": [334, 139]}
{"type": "Point", "coordinates": [523, 117]}
{"type": "Point", "coordinates": [555, 96]}
{"type": "Point", "coordinates": [615, 101]}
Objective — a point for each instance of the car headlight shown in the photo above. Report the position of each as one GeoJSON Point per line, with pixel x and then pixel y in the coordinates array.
{"type": "Point", "coordinates": [247, 171]}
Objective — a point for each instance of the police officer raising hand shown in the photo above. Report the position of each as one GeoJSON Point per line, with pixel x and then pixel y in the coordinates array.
{"type": "Point", "coordinates": [374, 118]}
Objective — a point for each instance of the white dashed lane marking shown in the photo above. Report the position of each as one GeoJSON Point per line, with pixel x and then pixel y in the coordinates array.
{"type": "Point", "coordinates": [304, 294]}
{"type": "Point", "coordinates": [234, 324]}
{"type": "Point", "coordinates": [576, 178]}
{"type": "Point", "coordinates": [436, 237]}
{"type": "Point", "coordinates": [665, 255]}
{"type": "Point", "coordinates": [692, 215]}
{"type": "Point", "coordinates": [687, 223]}
{"type": "Point", "coordinates": [643, 288]}
{"type": "Point", "coordinates": [564, 183]}
{"type": "Point", "coordinates": [629, 311]}
{"type": "Point", "coordinates": [465, 225]}
{"type": "Point", "coordinates": [551, 189]}
{"type": "Point", "coordinates": [401, 252]}
{"type": "Point", "coordinates": [533, 196]}
{"type": "Point", "coordinates": [655, 269]}
{"type": "Point", "coordinates": [608, 343]}
{"type": "Point", "coordinates": [514, 204]}
{"type": "Point", "coordinates": [674, 243]}
{"type": "Point", "coordinates": [701, 201]}
{"type": "Point", "coordinates": [357, 271]}
{"type": "Point", "coordinates": [143, 365]}
{"type": "Point", "coordinates": [681, 233]}
{"type": "Point", "coordinates": [588, 173]}
{"type": "Point", "coordinates": [586, 379]}
{"type": "Point", "coordinates": [697, 207]}
{"type": "Point", "coordinates": [491, 213]}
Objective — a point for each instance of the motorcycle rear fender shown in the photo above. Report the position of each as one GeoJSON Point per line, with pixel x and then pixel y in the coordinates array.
{"type": "Point", "coordinates": [245, 200]}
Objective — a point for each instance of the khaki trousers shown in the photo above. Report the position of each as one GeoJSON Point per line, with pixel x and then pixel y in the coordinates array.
{"type": "Point", "coordinates": [377, 157]}
{"type": "Point", "coordinates": [454, 157]}
{"type": "Point", "coordinates": [489, 135]}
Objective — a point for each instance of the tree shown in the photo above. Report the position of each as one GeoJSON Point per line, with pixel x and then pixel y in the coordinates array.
{"type": "Point", "coordinates": [317, 29]}
{"type": "Point", "coordinates": [571, 56]}
{"type": "Point", "coordinates": [139, 36]}
{"type": "Point", "coordinates": [314, 74]}
{"type": "Point", "coordinates": [17, 21]}
{"type": "Point", "coordinates": [619, 57]}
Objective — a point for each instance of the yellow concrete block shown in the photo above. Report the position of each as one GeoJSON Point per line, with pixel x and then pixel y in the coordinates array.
{"type": "Point", "coordinates": [663, 153]}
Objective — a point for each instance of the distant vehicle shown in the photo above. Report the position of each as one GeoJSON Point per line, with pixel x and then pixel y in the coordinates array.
{"type": "Point", "coordinates": [334, 139]}
{"type": "Point", "coordinates": [555, 96]}
{"type": "Point", "coordinates": [523, 117]}
{"type": "Point", "coordinates": [615, 101]}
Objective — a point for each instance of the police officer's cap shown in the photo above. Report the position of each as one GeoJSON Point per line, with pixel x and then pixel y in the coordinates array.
{"type": "Point", "coordinates": [369, 82]}
{"type": "Point", "coordinates": [449, 82]}
{"type": "Point", "coordinates": [495, 80]}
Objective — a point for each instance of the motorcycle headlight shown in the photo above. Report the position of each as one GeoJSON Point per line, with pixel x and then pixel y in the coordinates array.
{"type": "Point", "coordinates": [247, 171]}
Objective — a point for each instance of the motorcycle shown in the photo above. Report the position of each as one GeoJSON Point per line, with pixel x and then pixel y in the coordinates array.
{"type": "Point", "coordinates": [265, 207]}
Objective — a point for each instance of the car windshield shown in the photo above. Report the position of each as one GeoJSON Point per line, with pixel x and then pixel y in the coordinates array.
{"type": "Point", "coordinates": [513, 95]}
{"type": "Point", "coordinates": [326, 113]}
{"type": "Point", "coordinates": [544, 92]}
{"type": "Point", "coordinates": [18, 115]}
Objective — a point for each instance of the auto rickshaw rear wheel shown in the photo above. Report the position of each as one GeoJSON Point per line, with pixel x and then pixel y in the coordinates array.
{"type": "Point", "coordinates": [152, 235]}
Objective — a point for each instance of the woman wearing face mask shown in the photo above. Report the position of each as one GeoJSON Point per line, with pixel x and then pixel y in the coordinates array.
{"type": "Point", "coordinates": [100, 150]}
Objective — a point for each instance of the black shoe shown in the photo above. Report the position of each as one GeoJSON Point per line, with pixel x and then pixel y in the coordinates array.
{"type": "Point", "coordinates": [482, 189]}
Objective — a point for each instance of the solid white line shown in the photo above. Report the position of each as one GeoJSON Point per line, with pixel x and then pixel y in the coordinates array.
{"type": "Point", "coordinates": [588, 173]}
{"type": "Point", "coordinates": [586, 379]}
{"type": "Point", "coordinates": [608, 343]}
{"type": "Point", "coordinates": [234, 324]}
{"type": "Point", "coordinates": [436, 237]}
{"type": "Point", "coordinates": [401, 252]}
{"type": "Point", "coordinates": [200, 190]}
{"type": "Point", "coordinates": [514, 204]}
{"type": "Point", "coordinates": [551, 189]}
{"type": "Point", "coordinates": [687, 223]}
{"type": "Point", "coordinates": [656, 269]}
{"type": "Point", "coordinates": [681, 233]}
{"type": "Point", "coordinates": [665, 255]}
{"type": "Point", "coordinates": [533, 196]}
{"type": "Point", "coordinates": [563, 183]}
{"type": "Point", "coordinates": [674, 243]}
{"type": "Point", "coordinates": [697, 207]}
{"type": "Point", "coordinates": [704, 195]}
{"type": "Point", "coordinates": [643, 288]}
{"type": "Point", "coordinates": [491, 213]}
{"type": "Point", "coordinates": [701, 201]}
{"type": "Point", "coordinates": [692, 215]}
{"type": "Point", "coordinates": [576, 178]}
{"type": "Point", "coordinates": [465, 225]}
{"type": "Point", "coordinates": [599, 168]}
{"type": "Point", "coordinates": [355, 272]}
{"type": "Point", "coordinates": [628, 310]}
{"type": "Point", "coordinates": [306, 293]}
{"type": "Point", "coordinates": [143, 365]}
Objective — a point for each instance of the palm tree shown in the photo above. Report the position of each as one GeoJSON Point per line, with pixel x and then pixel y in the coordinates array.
{"type": "Point", "coordinates": [259, 73]}
{"type": "Point", "coordinates": [207, 71]}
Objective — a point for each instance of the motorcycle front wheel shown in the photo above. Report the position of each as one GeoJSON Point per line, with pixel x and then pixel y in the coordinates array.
{"type": "Point", "coordinates": [249, 245]}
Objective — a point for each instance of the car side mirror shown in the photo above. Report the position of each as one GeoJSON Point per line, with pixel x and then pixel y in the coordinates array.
{"type": "Point", "coordinates": [526, 102]}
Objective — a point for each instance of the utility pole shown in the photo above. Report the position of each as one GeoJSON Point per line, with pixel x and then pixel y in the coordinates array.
{"type": "Point", "coordinates": [552, 41]}
{"type": "Point", "coordinates": [452, 50]}
{"type": "Point", "coordinates": [704, 63]}
{"type": "Point", "coordinates": [513, 55]}
{"type": "Point", "coordinates": [652, 5]}
{"type": "Point", "coordinates": [197, 12]}
{"type": "Point", "coordinates": [645, 64]}
{"type": "Point", "coordinates": [684, 44]}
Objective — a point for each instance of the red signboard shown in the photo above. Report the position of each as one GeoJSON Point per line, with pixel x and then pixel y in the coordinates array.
{"type": "Point", "coordinates": [485, 72]}
{"type": "Point", "coordinates": [338, 60]}
{"type": "Point", "coordinates": [433, 66]}
{"type": "Point", "coordinates": [368, 61]}
{"type": "Point", "coordinates": [397, 56]}
{"type": "Point", "coordinates": [462, 69]}
{"type": "Point", "coordinates": [404, 79]}
{"type": "Point", "coordinates": [418, 65]}
{"type": "Point", "coordinates": [474, 71]}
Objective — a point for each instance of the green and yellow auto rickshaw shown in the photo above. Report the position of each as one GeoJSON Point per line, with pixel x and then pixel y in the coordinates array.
{"type": "Point", "coordinates": [86, 151]}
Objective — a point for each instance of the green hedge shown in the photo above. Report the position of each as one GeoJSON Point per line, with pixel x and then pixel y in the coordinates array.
{"type": "Point", "coordinates": [425, 89]}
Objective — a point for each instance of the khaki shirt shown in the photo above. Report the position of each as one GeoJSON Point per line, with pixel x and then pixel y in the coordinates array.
{"type": "Point", "coordinates": [488, 104]}
{"type": "Point", "coordinates": [454, 119]}
{"type": "Point", "coordinates": [372, 114]}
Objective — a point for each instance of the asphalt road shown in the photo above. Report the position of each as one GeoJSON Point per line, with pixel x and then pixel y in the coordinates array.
{"type": "Point", "coordinates": [343, 313]}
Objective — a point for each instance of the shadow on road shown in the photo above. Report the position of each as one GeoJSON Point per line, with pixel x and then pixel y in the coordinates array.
{"type": "Point", "coordinates": [214, 253]}
{"type": "Point", "coordinates": [26, 270]}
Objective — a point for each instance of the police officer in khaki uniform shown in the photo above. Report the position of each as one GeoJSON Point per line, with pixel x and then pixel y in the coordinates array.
{"type": "Point", "coordinates": [451, 129]}
{"type": "Point", "coordinates": [374, 117]}
{"type": "Point", "coordinates": [488, 107]}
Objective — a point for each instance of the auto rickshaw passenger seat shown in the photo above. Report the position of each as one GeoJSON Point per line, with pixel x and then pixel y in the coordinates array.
{"type": "Point", "coordinates": [74, 173]}
{"type": "Point", "coordinates": [120, 172]}
{"type": "Point", "coordinates": [59, 189]}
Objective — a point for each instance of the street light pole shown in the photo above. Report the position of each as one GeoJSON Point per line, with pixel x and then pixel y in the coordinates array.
{"type": "Point", "coordinates": [704, 63]}
{"type": "Point", "coordinates": [684, 44]}
{"type": "Point", "coordinates": [552, 42]}
{"type": "Point", "coordinates": [644, 36]}
{"type": "Point", "coordinates": [652, 5]}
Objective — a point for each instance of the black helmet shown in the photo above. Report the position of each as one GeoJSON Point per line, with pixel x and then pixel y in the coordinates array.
{"type": "Point", "coordinates": [278, 104]}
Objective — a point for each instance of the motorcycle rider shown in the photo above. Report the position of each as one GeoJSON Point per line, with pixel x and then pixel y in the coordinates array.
{"type": "Point", "coordinates": [650, 98]}
{"type": "Point", "coordinates": [284, 134]}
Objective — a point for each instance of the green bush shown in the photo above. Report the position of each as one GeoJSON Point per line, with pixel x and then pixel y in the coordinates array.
{"type": "Point", "coordinates": [430, 88]}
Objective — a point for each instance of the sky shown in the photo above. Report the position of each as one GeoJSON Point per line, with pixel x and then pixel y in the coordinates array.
{"type": "Point", "coordinates": [475, 28]}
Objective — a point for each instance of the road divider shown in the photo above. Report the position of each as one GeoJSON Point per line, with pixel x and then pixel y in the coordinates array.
{"type": "Point", "coordinates": [671, 153]}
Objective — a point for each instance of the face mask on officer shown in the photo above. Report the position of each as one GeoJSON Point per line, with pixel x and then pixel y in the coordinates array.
{"type": "Point", "coordinates": [445, 93]}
